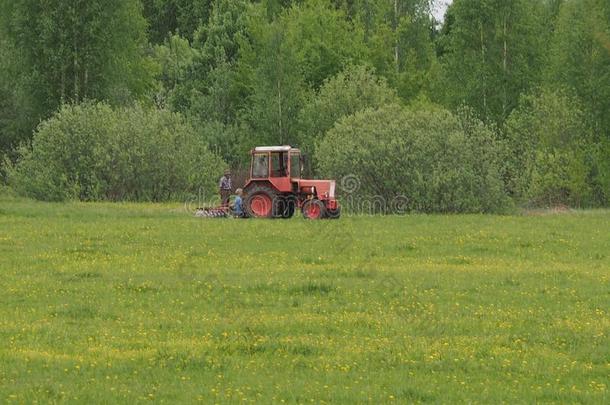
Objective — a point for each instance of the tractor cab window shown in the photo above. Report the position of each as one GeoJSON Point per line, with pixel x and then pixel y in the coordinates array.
{"type": "Point", "coordinates": [295, 165]}
{"type": "Point", "coordinates": [260, 165]}
{"type": "Point", "coordinates": [279, 164]}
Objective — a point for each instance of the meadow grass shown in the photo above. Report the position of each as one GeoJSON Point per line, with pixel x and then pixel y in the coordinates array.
{"type": "Point", "coordinates": [118, 303]}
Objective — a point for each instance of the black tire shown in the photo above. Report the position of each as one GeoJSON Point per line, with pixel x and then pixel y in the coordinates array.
{"type": "Point", "coordinates": [333, 214]}
{"type": "Point", "coordinates": [259, 195]}
{"type": "Point", "coordinates": [286, 207]}
{"type": "Point", "coordinates": [312, 206]}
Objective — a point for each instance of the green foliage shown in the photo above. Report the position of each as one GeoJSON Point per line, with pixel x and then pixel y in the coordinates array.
{"type": "Point", "coordinates": [176, 58]}
{"type": "Point", "coordinates": [246, 73]}
{"type": "Point", "coordinates": [600, 172]}
{"type": "Point", "coordinates": [94, 152]}
{"type": "Point", "coordinates": [558, 176]}
{"type": "Point", "coordinates": [352, 90]}
{"type": "Point", "coordinates": [276, 86]}
{"type": "Point", "coordinates": [174, 17]}
{"type": "Point", "coordinates": [200, 78]}
{"type": "Point", "coordinates": [323, 40]}
{"type": "Point", "coordinates": [493, 53]}
{"type": "Point", "coordinates": [400, 46]}
{"type": "Point", "coordinates": [438, 161]}
{"type": "Point", "coordinates": [14, 105]}
{"type": "Point", "coordinates": [550, 141]}
{"type": "Point", "coordinates": [580, 58]}
{"type": "Point", "coordinates": [75, 51]}
{"type": "Point", "coordinates": [214, 91]}
{"type": "Point", "coordinates": [229, 142]}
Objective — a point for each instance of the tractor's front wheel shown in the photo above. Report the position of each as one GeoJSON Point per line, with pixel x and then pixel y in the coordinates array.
{"type": "Point", "coordinates": [260, 201]}
{"type": "Point", "coordinates": [313, 209]}
{"type": "Point", "coordinates": [333, 214]}
{"type": "Point", "coordinates": [286, 207]}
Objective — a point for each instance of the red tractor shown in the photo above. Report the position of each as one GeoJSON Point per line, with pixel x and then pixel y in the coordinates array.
{"type": "Point", "coordinates": [275, 188]}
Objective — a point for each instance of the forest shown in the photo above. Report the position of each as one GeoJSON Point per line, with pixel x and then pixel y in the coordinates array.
{"type": "Point", "coordinates": [502, 104]}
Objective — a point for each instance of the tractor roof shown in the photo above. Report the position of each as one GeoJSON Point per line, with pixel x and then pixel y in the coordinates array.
{"type": "Point", "coordinates": [284, 148]}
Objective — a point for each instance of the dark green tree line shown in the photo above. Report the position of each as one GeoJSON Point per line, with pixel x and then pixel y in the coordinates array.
{"type": "Point", "coordinates": [73, 51]}
{"type": "Point", "coordinates": [248, 72]}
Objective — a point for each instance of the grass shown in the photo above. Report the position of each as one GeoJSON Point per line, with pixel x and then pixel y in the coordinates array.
{"type": "Point", "coordinates": [118, 303]}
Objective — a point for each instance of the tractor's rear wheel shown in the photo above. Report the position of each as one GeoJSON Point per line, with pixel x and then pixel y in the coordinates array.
{"type": "Point", "coordinates": [313, 209]}
{"type": "Point", "coordinates": [260, 202]}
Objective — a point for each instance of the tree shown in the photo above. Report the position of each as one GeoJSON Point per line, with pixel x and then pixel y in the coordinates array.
{"type": "Point", "coordinates": [276, 84]}
{"type": "Point", "coordinates": [15, 104]}
{"type": "Point", "coordinates": [551, 150]}
{"type": "Point", "coordinates": [92, 151]}
{"type": "Point", "coordinates": [398, 34]}
{"type": "Point", "coordinates": [287, 59]}
{"type": "Point", "coordinates": [175, 17]}
{"type": "Point", "coordinates": [492, 53]}
{"type": "Point", "coordinates": [580, 58]}
{"type": "Point", "coordinates": [80, 50]}
{"type": "Point", "coordinates": [425, 160]}
{"type": "Point", "coordinates": [213, 91]}
{"type": "Point", "coordinates": [354, 89]}
{"type": "Point", "coordinates": [176, 58]}
{"type": "Point", "coordinates": [323, 40]}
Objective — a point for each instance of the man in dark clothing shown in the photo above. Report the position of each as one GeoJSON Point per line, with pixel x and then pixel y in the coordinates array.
{"type": "Point", "coordinates": [225, 188]}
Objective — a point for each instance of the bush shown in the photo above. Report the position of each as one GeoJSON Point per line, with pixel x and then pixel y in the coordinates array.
{"type": "Point", "coordinates": [94, 152]}
{"type": "Point", "coordinates": [430, 160]}
{"type": "Point", "coordinates": [599, 163]}
{"type": "Point", "coordinates": [554, 155]}
{"type": "Point", "coordinates": [350, 91]}
{"type": "Point", "coordinates": [558, 177]}
{"type": "Point", "coordinates": [230, 142]}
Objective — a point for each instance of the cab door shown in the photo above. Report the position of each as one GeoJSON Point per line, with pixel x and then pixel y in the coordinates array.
{"type": "Point", "coordinates": [279, 172]}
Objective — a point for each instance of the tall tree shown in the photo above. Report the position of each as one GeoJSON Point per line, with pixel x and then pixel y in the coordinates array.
{"type": "Point", "coordinates": [399, 38]}
{"type": "Point", "coordinates": [80, 50]}
{"type": "Point", "coordinates": [216, 94]}
{"type": "Point", "coordinates": [323, 40]}
{"type": "Point", "coordinates": [277, 88]}
{"type": "Point", "coordinates": [492, 53]}
{"type": "Point", "coordinates": [287, 58]}
{"type": "Point", "coordinates": [350, 91]}
{"type": "Point", "coordinates": [580, 57]}
{"type": "Point", "coordinates": [168, 17]}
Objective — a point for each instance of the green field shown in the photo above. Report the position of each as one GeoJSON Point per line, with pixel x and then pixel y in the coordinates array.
{"type": "Point", "coordinates": [119, 303]}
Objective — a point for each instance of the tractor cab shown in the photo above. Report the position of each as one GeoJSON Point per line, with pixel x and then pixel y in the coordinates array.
{"type": "Point", "coordinates": [276, 163]}
{"type": "Point", "coordinates": [275, 187]}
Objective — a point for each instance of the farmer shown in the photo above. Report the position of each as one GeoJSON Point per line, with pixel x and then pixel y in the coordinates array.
{"type": "Point", "coordinates": [225, 188]}
{"type": "Point", "coordinates": [238, 207]}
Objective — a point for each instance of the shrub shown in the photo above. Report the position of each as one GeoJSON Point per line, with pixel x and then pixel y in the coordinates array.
{"type": "Point", "coordinates": [598, 160]}
{"type": "Point", "coordinates": [558, 177]}
{"type": "Point", "coordinates": [94, 152]}
{"type": "Point", "coordinates": [231, 142]}
{"type": "Point", "coordinates": [432, 160]}
{"type": "Point", "coordinates": [553, 151]}
{"type": "Point", "coordinates": [350, 91]}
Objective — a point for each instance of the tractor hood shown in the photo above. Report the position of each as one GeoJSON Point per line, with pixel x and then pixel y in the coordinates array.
{"type": "Point", "coordinates": [325, 189]}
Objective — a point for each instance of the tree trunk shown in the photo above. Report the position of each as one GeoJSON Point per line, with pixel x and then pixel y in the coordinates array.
{"type": "Point", "coordinates": [75, 59]}
{"type": "Point", "coordinates": [505, 66]}
{"type": "Point", "coordinates": [62, 96]}
{"type": "Point", "coordinates": [483, 63]}
{"type": "Point", "coordinates": [396, 60]}
{"type": "Point", "coordinates": [279, 105]}
{"type": "Point", "coordinates": [85, 82]}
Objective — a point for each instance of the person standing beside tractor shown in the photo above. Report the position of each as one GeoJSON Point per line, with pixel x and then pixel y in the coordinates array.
{"type": "Point", "coordinates": [225, 188]}
{"type": "Point", "coordinates": [238, 206]}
